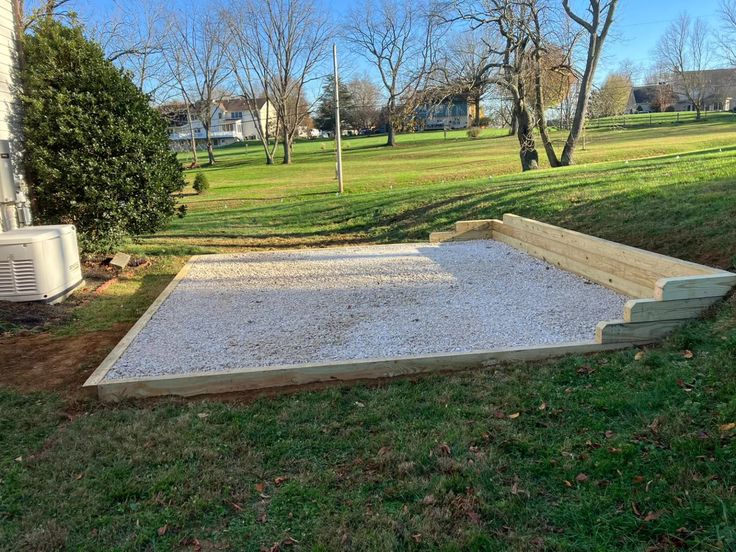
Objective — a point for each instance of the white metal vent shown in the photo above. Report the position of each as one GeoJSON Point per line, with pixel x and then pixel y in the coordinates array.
{"type": "Point", "coordinates": [17, 277]}
{"type": "Point", "coordinates": [6, 278]}
{"type": "Point", "coordinates": [24, 274]}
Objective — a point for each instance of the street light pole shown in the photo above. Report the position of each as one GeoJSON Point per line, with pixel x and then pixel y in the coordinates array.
{"type": "Point", "coordinates": [338, 133]}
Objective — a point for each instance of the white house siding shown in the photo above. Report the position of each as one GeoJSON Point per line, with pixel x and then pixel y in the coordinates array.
{"type": "Point", "coordinates": [7, 62]}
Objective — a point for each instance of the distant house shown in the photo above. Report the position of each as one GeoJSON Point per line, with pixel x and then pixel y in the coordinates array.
{"type": "Point", "coordinates": [718, 88]}
{"type": "Point", "coordinates": [455, 112]}
{"type": "Point", "coordinates": [230, 121]}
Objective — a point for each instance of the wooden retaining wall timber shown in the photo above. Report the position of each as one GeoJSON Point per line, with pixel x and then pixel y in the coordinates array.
{"type": "Point", "coordinates": [668, 291]}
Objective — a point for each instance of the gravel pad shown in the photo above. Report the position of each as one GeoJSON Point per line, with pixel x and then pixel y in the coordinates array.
{"type": "Point", "coordinates": [321, 305]}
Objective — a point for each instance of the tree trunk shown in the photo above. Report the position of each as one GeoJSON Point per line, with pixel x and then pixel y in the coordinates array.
{"type": "Point", "coordinates": [477, 110]}
{"type": "Point", "coordinates": [525, 133]}
{"type": "Point", "coordinates": [193, 140]}
{"type": "Point", "coordinates": [697, 112]}
{"type": "Point", "coordinates": [581, 107]}
{"type": "Point", "coordinates": [514, 129]}
{"type": "Point", "coordinates": [210, 150]}
{"type": "Point", "coordinates": [541, 118]}
{"type": "Point", "coordinates": [287, 148]}
{"type": "Point", "coordinates": [391, 140]}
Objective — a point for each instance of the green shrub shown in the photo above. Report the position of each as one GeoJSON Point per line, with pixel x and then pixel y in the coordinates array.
{"type": "Point", "coordinates": [201, 183]}
{"type": "Point", "coordinates": [96, 153]}
{"type": "Point", "coordinates": [473, 132]}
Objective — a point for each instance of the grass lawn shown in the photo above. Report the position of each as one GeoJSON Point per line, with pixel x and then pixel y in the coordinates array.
{"type": "Point", "coordinates": [610, 452]}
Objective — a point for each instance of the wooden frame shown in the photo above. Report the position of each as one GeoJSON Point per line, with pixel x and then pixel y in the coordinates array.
{"type": "Point", "coordinates": [667, 292]}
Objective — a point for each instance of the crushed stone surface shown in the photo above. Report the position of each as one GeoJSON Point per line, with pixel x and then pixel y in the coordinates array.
{"type": "Point", "coordinates": [319, 305]}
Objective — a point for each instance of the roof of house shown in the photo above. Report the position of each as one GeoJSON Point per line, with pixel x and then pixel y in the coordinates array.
{"type": "Point", "coordinates": [242, 104]}
{"type": "Point", "coordinates": [644, 94]}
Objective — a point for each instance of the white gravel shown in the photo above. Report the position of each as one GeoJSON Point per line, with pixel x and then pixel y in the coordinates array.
{"type": "Point", "coordinates": [319, 305]}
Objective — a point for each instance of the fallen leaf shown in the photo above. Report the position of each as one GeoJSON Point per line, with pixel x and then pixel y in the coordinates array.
{"type": "Point", "coordinates": [428, 500]}
{"type": "Point", "coordinates": [359, 404]}
{"type": "Point", "coordinates": [384, 451]}
{"type": "Point", "coordinates": [289, 541]}
{"type": "Point", "coordinates": [417, 537]}
{"type": "Point", "coordinates": [79, 476]}
{"type": "Point", "coordinates": [236, 506]}
{"type": "Point", "coordinates": [581, 478]}
{"type": "Point", "coordinates": [260, 487]}
{"type": "Point", "coordinates": [635, 509]}
{"type": "Point", "coordinates": [514, 415]}
{"type": "Point", "coordinates": [639, 355]}
{"type": "Point", "coordinates": [652, 516]}
{"type": "Point", "coordinates": [568, 483]}
{"type": "Point", "coordinates": [543, 406]}
{"type": "Point", "coordinates": [687, 354]}
{"type": "Point", "coordinates": [499, 414]}
{"type": "Point", "coordinates": [202, 415]}
{"type": "Point", "coordinates": [19, 459]}
{"type": "Point", "coordinates": [262, 518]}
{"type": "Point", "coordinates": [586, 369]}
{"type": "Point", "coordinates": [162, 530]}
{"type": "Point", "coordinates": [280, 480]}
{"type": "Point", "coordinates": [445, 449]}
{"type": "Point", "coordinates": [614, 450]}
{"type": "Point", "coordinates": [638, 479]}
{"type": "Point", "coordinates": [727, 427]}
{"type": "Point", "coordinates": [609, 434]}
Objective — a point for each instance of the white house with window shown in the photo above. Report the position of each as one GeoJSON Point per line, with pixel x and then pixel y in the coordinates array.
{"type": "Point", "coordinates": [231, 120]}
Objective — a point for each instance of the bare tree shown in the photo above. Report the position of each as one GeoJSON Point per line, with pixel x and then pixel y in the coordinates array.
{"type": "Point", "coordinates": [727, 36]}
{"type": "Point", "coordinates": [597, 26]}
{"type": "Point", "coordinates": [292, 40]}
{"type": "Point", "coordinates": [684, 50]}
{"type": "Point", "coordinates": [467, 65]}
{"type": "Point", "coordinates": [134, 39]}
{"type": "Point", "coordinates": [252, 60]}
{"type": "Point", "coordinates": [398, 38]}
{"type": "Point", "coordinates": [366, 101]}
{"type": "Point", "coordinates": [196, 55]}
{"type": "Point", "coordinates": [27, 12]}
{"type": "Point", "coordinates": [509, 47]}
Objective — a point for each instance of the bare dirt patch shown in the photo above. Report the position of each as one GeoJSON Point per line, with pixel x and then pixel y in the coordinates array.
{"type": "Point", "coordinates": [45, 362]}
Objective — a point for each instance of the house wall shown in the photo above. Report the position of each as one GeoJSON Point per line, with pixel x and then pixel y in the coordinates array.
{"type": "Point", "coordinates": [7, 64]}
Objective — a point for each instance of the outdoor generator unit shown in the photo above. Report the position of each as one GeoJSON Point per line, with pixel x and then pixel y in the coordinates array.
{"type": "Point", "coordinates": [37, 263]}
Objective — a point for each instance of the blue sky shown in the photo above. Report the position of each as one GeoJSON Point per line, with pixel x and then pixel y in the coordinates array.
{"type": "Point", "coordinates": [638, 26]}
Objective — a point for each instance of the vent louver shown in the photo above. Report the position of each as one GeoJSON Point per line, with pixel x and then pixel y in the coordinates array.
{"type": "Point", "coordinates": [17, 277]}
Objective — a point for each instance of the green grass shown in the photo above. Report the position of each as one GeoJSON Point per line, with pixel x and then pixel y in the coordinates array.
{"type": "Point", "coordinates": [606, 453]}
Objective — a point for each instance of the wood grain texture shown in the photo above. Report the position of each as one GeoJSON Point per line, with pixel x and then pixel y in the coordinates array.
{"type": "Point", "coordinates": [646, 260]}
{"type": "Point", "coordinates": [652, 310]}
{"type": "Point", "coordinates": [279, 376]}
{"type": "Point", "coordinates": [610, 269]}
{"type": "Point", "coordinates": [612, 281]}
{"type": "Point", "coordinates": [620, 331]}
{"type": "Point", "coordinates": [694, 287]}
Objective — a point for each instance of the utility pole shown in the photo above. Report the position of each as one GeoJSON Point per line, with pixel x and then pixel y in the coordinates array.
{"type": "Point", "coordinates": [338, 133]}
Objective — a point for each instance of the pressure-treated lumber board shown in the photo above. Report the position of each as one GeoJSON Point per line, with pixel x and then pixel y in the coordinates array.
{"type": "Point", "coordinates": [652, 310]}
{"type": "Point", "coordinates": [465, 230]}
{"type": "Point", "coordinates": [694, 287]}
{"type": "Point", "coordinates": [654, 262]}
{"type": "Point", "coordinates": [437, 237]}
{"type": "Point", "coordinates": [280, 376]}
{"type": "Point", "coordinates": [620, 331]}
{"type": "Point", "coordinates": [102, 370]}
{"type": "Point", "coordinates": [614, 282]}
{"type": "Point", "coordinates": [633, 274]}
